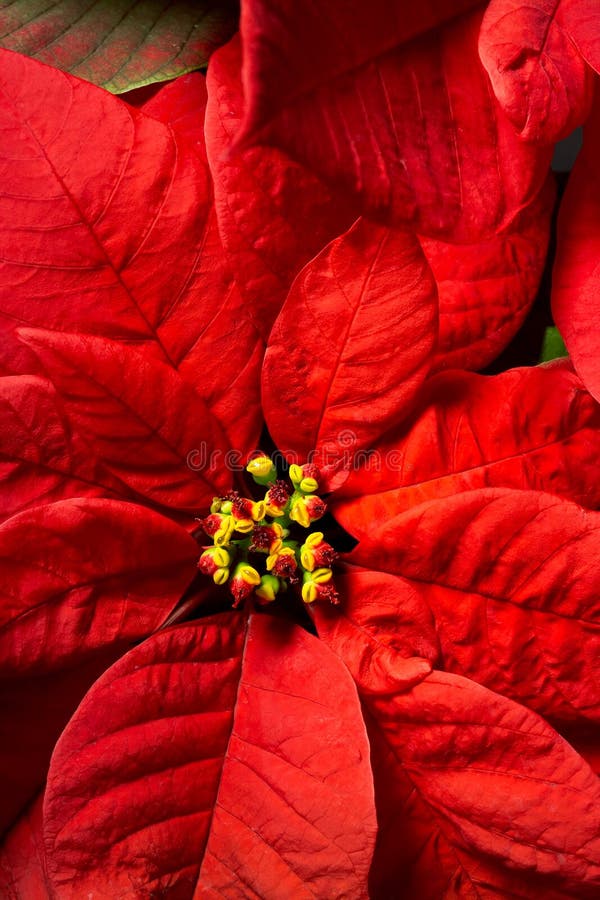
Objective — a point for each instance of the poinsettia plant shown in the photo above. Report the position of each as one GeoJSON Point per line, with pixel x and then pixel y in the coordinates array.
{"type": "Point", "coordinates": [295, 602]}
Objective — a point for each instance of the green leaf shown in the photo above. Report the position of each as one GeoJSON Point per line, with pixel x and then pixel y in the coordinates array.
{"type": "Point", "coordinates": [553, 346]}
{"type": "Point", "coordinates": [118, 44]}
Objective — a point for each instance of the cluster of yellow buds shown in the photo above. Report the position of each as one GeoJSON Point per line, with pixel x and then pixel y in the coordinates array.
{"type": "Point", "coordinates": [253, 535]}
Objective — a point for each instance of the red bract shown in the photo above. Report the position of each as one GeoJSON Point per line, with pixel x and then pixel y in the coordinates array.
{"type": "Point", "coordinates": [486, 288]}
{"type": "Point", "coordinates": [274, 214]}
{"type": "Point", "coordinates": [352, 344]}
{"type": "Point", "coordinates": [265, 200]}
{"type": "Point", "coordinates": [535, 54]}
{"type": "Point", "coordinates": [82, 581]}
{"type": "Point", "coordinates": [217, 718]}
{"type": "Point", "coordinates": [367, 127]}
{"type": "Point", "coordinates": [575, 298]}
{"type": "Point", "coordinates": [228, 755]}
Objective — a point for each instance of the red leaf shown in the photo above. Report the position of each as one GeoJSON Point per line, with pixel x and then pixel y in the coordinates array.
{"type": "Point", "coordinates": [531, 428]}
{"type": "Point", "coordinates": [532, 50]}
{"type": "Point", "coordinates": [233, 762]}
{"type": "Point", "coordinates": [414, 131]}
{"type": "Point", "coordinates": [486, 288]}
{"type": "Point", "coordinates": [22, 864]}
{"type": "Point", "coordinates": [378, 629]}
{"type": "Point", "coordinates": [274, 215]}
{"type": "Point", "coordinates": [352, 344]}
{"type": "Point", "coordinates": [41, 460]}
{"type": "Point", "coordinates": [478, 798]}
{"type": "Point", "coordinates": [576, 279]}
{"type": "Point", "coordinates": [223, 342]}
{"type": "Point", "coordinates": [128, 247]}
{"type": "Point", "coordinates": [340, 35]}
{"type": "Point", "coordinates": [180, 103]}
{"type": "Point", "coordinates": [514, 594]}
{"type": "Point", "coordinates": [81, 581]}
{"type": "Point", "coordinates": [144, 422]}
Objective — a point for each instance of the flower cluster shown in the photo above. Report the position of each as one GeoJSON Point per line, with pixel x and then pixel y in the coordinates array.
{"type": "Point", "coordinates": [268, 526]}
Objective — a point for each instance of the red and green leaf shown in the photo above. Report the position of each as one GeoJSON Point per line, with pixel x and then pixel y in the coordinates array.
{"type": "Point", "coordinates": [118, 45]}
{"type": "Point", "coordinates": [235, 761]}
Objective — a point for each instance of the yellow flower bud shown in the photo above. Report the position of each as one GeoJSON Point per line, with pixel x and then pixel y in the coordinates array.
{"type": "Point", "coordinates": [261, 467]}
{"type": "Point", "coordinates": [220, 576]}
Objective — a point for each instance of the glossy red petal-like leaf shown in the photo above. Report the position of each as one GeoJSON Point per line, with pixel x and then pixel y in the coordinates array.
{"type": "Point", "coordinates": [81, 580]}
{"type": "Point", "coordinates": [478, 799]}
{"type": "Point", "coordinates": [144, 422]}
{"type": "Point", "coordinates": [352, 344]}
{"type": "Point", "coordinates": [41, 460]}
{"type": "Point", "coordinates": [291, 49]}
{"type": "Point", "coordinates": [220, 758]}
{"type": "Point", "coordinates": [533, 428]}
{"type": "Point", "coordinates": [485, 289]}
{"type": "Point", "coordinates": [532, 51]}
{"type": "Point", "coordinates": [22, 859]}
{"type": "Point", "coordinates": [576, 278]}
{"type": "Point", "coordinates": [117, 236]}
{"type": "Point", "coordinates": [122, 44]}
{"type": "Point", "coordinates": [274, 215]}
{"type": "Point", "coordinates": [415, 133]}
{"type": "Point", "coordinates": [514, 593]}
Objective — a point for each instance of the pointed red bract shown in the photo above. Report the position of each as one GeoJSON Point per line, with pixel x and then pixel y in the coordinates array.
{"type": "Point", "coordinates": [477, 797]}
{"type": "Point", "coordinates": [532, 51]}
{"type": "Point", "coordinates": [81, 580]}
{"type": "Point", "coordinates": [117, 236]}
{"type": "Point", "coordinates": [514, 594]}
{"type": "Point", "coordinates": [180, 103]}
{"type": "Point", "coordinates": [22, 862]}
{"type": "Point", "coordinates": [274, 215]}
{"type": "Point", "coordinates": [383, 624]}
{"type": "Point", "coordinates": [235, 761]}
{"type": "Point", "coordinates": [352, 344]}
{"type": "Point", "coordinates": [144, 422]}
{"type": "Point", "coordinates": [89, 225]}
{"type": "Point", "coordinates": [41, 460]}
{"type": "Point", "coordinates": [290, 50]}
{"type": "Point", "coordinates": [533, 428]}
{"type": "Point", "coordinates": [414, 132]}
{"type": "Point", "coordinates": [485, 289]}
{"type": "Point", "coordinates": [576, 279]}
